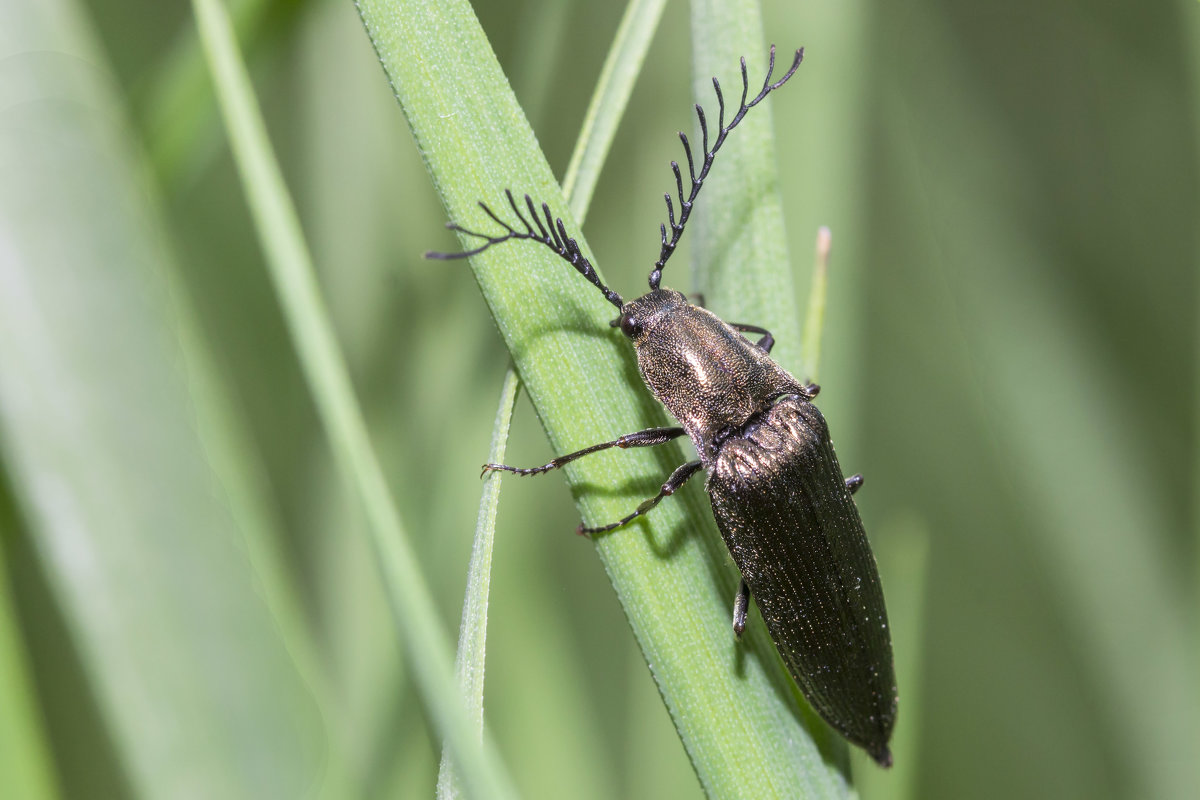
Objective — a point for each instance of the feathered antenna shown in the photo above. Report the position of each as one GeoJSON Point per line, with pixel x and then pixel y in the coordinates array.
{"type": "Point", "coordinates": [685, 206]}
{"type": "Point", "coordinates": [556, 239]}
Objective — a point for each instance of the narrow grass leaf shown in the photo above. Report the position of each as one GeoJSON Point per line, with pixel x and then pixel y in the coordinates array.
{"type": "Point", "coordinates": [621, 69]}
{"type": "Point", "coordinates": [470, 661]}
{"type": "Point", "coordinates": [291, 270]}
{"type": "Point", "coordinates": [101, 432]}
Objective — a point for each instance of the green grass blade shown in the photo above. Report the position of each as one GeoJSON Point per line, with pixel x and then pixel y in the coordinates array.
{"type": "Point", "coordinates": [470, 662]}
{"type": "Point", "coordinates": [621, 68]}
{"type": "Point", "coordinates": [730, 701]}
{"type": "Point", "coordinates": [122, 504]}
{"type": "Point", "coordinates": [179, 113]}
{"type": "Point", "coordinates": [291, 270]}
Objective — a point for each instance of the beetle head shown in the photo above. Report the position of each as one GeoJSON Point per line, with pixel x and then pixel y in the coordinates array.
{"type": "Point", "coordinates": [642, 315]}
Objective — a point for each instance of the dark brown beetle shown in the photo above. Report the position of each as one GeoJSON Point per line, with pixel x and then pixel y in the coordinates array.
{"type": "Point", "coordinates": [776, 489]}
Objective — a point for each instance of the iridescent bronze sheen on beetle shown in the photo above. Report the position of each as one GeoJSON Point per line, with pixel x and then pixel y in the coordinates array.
{"type": "Point", "coordinates": [777, 492]}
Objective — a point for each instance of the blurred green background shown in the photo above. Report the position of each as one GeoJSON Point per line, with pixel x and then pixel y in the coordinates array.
{"type": "Point", "coordinates": [1009, 357]}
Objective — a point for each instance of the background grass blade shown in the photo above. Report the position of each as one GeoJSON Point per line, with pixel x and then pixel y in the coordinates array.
{"type": "Point", "coordinates": [621, 69]}
{"type": "Point", "coordinates": [741, 729]}
{"type": "Point", "coordinates": [179, 112]}
{"type": "Point", "coordinates": [291, 269]}
{"type": "Point", "coordinates": [470, 661]}
{"type": "Point", "coordinates": [739, 253]}
{"type": "Point", "coordinates": [153, 682]}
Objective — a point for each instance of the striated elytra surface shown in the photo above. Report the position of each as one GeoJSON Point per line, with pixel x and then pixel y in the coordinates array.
{"type": "Point", "coordinates": [785, 513]}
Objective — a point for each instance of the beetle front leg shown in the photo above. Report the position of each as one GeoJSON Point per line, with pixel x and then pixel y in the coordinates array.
{"type": "Point", "coordinates": [741, 605]}
{"type": "Point", "coordinates": [646, 438]}
{"type": "Point", "coordinates": [678, 478]}
{"type": "Point", "coordinates": [854, 483]}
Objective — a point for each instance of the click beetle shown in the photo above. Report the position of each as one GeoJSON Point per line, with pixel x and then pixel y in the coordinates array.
{"type": "Point", "coordinates": [777, 492]}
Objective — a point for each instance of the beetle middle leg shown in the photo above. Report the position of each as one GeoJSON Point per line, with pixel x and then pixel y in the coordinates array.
{"type": "Point", "coordinates": [647, 438]}
{"type": "Point", "coordinates": [741, 602]}
{"type": "Point", "coordinates": [765, 343]}
{"type": "Point", "coordinates": [678, 478]}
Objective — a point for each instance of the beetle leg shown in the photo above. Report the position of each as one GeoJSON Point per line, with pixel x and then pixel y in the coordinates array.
{"type": "Point", "coordinates": [741, 604]}
{"type": "Point", "coordinates": [765, 343]}
{"type": "Point", "coordinates": [646, 438]}
{"type": "Point", "coordinates": [854, 483]}
{"type": "Point", "coordinates": [678, 478]}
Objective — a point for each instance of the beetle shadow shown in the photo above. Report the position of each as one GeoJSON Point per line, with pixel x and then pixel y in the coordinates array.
{"type": "Point", "coordinates": [581, 324]}
{"type": "Point", "coordinates": [577, 323]}
{"type": "Point", "coordinates": [645, 488]}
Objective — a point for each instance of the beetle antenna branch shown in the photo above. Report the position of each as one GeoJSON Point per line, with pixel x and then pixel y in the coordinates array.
{"type": "Point", "coordinates": [551, 233]}
{"type": "Point", "coordinates": [685, 206]}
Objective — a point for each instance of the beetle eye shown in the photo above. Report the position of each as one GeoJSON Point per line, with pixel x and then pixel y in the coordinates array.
{"type": "Point", "coordinates": [630, 325]}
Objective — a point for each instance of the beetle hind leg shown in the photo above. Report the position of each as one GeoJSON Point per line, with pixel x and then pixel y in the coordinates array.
{"type": "Point", "coordinates": [678, 478]}
{"type": "Point", "coordinates": [741, 605]}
